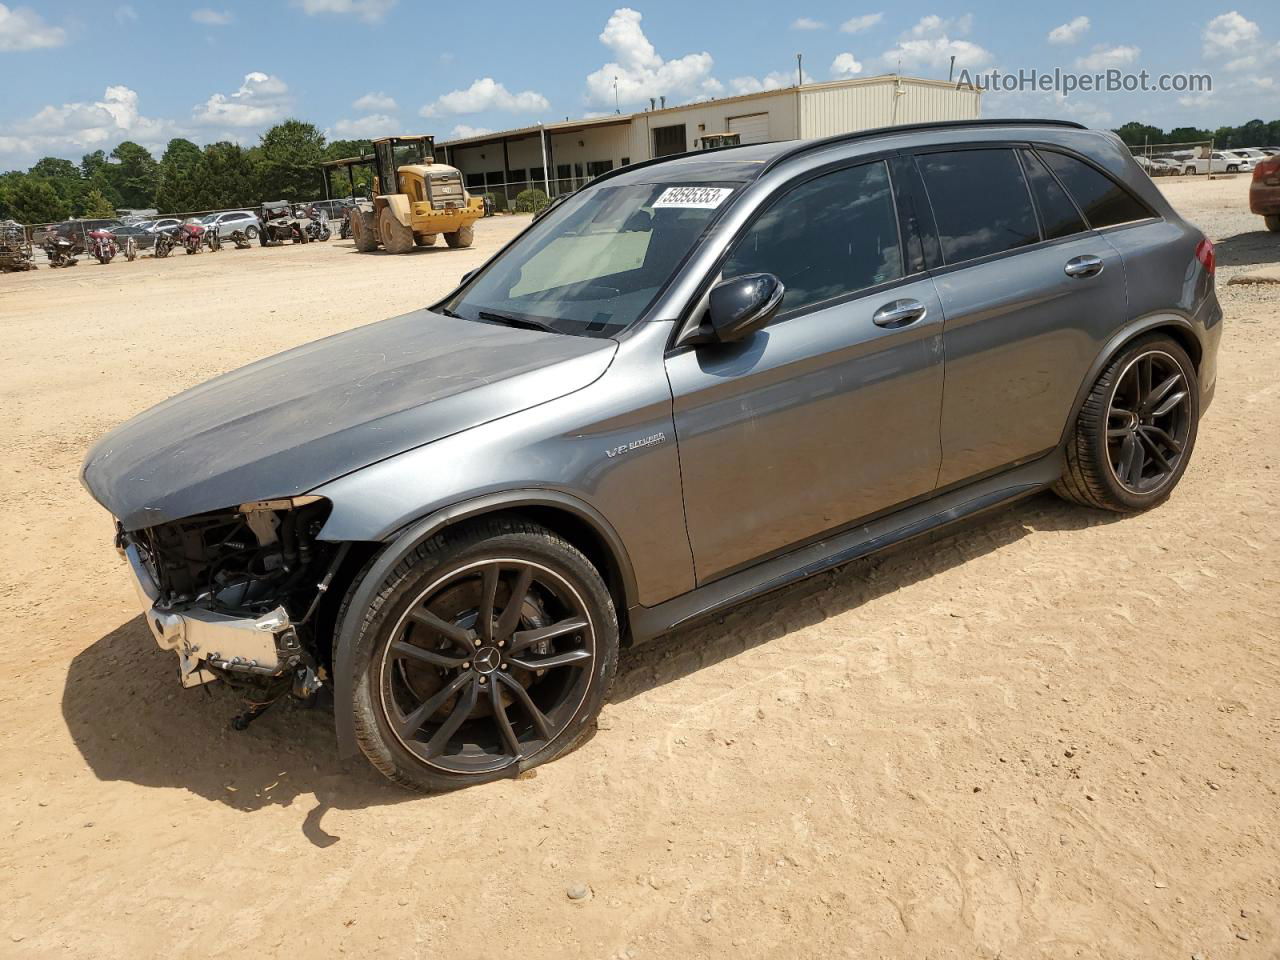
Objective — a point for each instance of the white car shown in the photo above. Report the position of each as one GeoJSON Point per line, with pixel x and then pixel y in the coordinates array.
{"type": "Point", "coordinates": [1222, 162]}
{"type": "Point", "coordinates": [227, 223]}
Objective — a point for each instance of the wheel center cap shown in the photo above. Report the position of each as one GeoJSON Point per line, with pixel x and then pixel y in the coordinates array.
{"type": "Point", "coordinates": [487, 659]}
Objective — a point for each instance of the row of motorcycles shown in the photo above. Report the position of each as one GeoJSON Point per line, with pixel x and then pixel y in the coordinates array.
{"type": "Point", "coordinates": [278, 225]}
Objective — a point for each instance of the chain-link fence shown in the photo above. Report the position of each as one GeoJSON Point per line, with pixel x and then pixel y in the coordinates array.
{"type": "Point", "coordinates": [1195, 158]}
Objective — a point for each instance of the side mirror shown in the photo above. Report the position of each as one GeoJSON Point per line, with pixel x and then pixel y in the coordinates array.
{"type": "Point", "coordinates": [743, 305]}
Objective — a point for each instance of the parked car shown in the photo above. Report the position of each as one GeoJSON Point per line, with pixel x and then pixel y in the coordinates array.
{"type": "Point", "coordinates": [1264, 192]}
{"type": "Point", "coordinates": [1164, 167]}
{"type": "Point", "coordinates": [143, 238]}
{"type": "Point", "coordinates": [1221, 163]}
{"type": "Point", "coordinates": [224, 224]}
{"type": "Point", "coordinates": [694, 381]}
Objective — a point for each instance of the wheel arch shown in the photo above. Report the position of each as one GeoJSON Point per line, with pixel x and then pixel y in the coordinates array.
{"type": "Point", "coordinates": [1179, 328]}
{"type": "Point", "coordinates": [575, 520]}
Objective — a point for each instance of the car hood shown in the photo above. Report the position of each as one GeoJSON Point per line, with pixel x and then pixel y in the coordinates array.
{"type": "Point", "coordinates": [284, 425]}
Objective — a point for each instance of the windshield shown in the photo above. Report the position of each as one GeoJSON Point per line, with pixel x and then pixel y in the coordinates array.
{"type": "Point", "coordinates": [594, 267]}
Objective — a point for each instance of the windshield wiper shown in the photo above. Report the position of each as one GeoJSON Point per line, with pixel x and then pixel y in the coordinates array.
{"type": "Point", "coordinates": [527, 323]}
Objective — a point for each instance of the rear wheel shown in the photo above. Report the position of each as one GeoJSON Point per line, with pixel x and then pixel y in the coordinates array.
{"type": "Point", "coordinates": [1135, 433]}
{"type": "Point", "coordinates": [1273, 222]}
{"type": "Point", "coordinates": [362, 231]}
{"type": "Point", "coordinates": [251, 232]}
{"type": "Point", "coordinates": [463, 237]}
{"type": "Point", "coordinates": [487, 651]}
{"type": "Point", "coordinates": [396, 237]}
{"type": "Point", "coordinates": [426, 240]}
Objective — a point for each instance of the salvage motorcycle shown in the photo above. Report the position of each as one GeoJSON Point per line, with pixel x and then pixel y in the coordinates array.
{"type": "Point", "coordinates": [102, 245]}
{"type": "Point", "coordinates": [59, 250]}
{"type": "Point", "coordinates": [318, 227]}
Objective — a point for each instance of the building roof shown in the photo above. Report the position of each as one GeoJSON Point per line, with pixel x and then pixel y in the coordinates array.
{"type": "Point", "coordinates": [573, 126]}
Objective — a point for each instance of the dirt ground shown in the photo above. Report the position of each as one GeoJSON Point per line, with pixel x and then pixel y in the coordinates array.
{"type": "Point", "coordinates": [1049, 733]}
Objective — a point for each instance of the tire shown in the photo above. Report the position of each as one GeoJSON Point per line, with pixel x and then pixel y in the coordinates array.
{"type": "Point", "coordinates": [1273, 222]}
{"type": "Point", "coordinates": [426, 240]}
{"type": "Point", "coordinates": [1190, 171]}
{"type": "Point", "coordinates": [447, 574]}
{"type": "Point", "coordinates": [1106, 429]}
{"type": "Point", "coordinates": [362, 231]}
{"type": "Point", "coordinates": [463, 237]}
{"type": "Point", "coordinates": [251, 232]}
{"type": "Point", "coordinates": [396, 237]}
{"type": "Point", "coordinates": [1232, 168]}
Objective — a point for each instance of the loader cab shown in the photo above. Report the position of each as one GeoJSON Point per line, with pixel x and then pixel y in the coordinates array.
{"type": "Point", "coordinates": [392, 153]}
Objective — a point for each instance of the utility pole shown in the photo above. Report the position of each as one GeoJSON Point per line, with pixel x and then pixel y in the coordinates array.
{"type": "Point", "coordinates": [617, 106]}
{"type": "Point", "coordinates": [799, 70]}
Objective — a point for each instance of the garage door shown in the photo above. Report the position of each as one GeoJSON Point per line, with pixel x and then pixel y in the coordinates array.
{"type": "Point", "coordinates": [753, 128]}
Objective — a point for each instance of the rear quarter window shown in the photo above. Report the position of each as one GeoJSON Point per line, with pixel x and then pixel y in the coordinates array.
{"type": "Point", "coordinates": [1105, 203]}
{"type": "Point", "coordinates": [980, 202]}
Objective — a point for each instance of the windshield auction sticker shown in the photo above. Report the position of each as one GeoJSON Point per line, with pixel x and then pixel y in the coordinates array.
{"type": "Point", "coordinates": [697, 198]}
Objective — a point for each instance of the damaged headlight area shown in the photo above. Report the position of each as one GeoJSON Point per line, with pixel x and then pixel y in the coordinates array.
{"type": "Point", "coordinates": [235, 592]}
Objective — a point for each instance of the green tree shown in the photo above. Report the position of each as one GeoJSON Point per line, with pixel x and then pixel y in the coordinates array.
{"type": "Point", "coordinates": [97, 206]}
{"type": "Point", "coordinates": [178, 184]}
{"type": "Point", "coordinates": [30, 199]}
{"type": "Point", "coordinates": [134, 175]}
{"type": "Point", "coordinates": [91, 163]}
{"type": "Point", "coordinates": [339, 183]}
{"type": "Point", "coordinates": [225, 177]}
{"type": "Point", "coordinates": [288, 162]}
{"type": "Point", "coordinates": [1136, 134]}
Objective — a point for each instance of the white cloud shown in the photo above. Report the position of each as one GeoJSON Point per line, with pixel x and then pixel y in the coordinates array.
{"type": "Point", "coordinates": [1228, 34]}
{"type": "Point", "coordinates": [858, 24]}
{"type": "Point", "coordinates": [485, 94]}
{"type": "Point", "coordinates": [125, 13]}
{"type": "Point", "coordinates": [641, 72]}
{"type": "Point", "coordinates": [368, 10]}
{"type": "Point", "coordinates": [464, 130]}
{"type": "Point", "coordinates": [1104, 58]}
{"type": "Point", "coordinates": [1249, 62]}
{"type": "Point", "coordinates": [931, 43]}
{"type": "Point", "coordinates": [364, 128]}
{"type": "Point", "coordinates": [74, 128]}
{"type": "Point", "coordinates": [212, 18]}
{"type": "Point", "coordinates": [807, 23]}
{"type": "Point", "coordinates": [376, 101]}
{"type": "Point", "coordinates": [261, 100]}
{"type": "Point", "coordinates": [1069, 32]}
{"type": "Point", "coordinates": [21, 28]}
{"type": "Point", "coordinates": [845, 65]}
{"type": "Point", "coordinates": [776, 80]}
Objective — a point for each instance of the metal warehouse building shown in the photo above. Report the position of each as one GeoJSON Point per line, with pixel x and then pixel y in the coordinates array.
{"type": "Point", "coordinates": [561, 157]}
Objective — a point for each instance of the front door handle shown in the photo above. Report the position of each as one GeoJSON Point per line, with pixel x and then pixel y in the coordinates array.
{"type": "Point", "coordinates": [1081, 267]}
{"type": "Point", "coordinates": [899, 313]}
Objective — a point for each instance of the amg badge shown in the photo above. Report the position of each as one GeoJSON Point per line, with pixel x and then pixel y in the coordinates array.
{"type": "Point", "coordinates": [636, 444]}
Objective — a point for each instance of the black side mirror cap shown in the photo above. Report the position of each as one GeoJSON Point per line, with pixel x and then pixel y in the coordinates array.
{"type": "Point", "coordinates": [739, 307]}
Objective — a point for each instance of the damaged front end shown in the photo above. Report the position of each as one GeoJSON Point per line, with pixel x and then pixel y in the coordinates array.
{"type": "Point", "coordinates": [235, 593]}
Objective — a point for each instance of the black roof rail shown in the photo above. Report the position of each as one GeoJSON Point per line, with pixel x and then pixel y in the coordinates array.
{"type": "Point", "coordinates": [807, 145]}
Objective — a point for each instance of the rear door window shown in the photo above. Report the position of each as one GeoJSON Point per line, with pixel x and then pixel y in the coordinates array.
{"type": "Point", "coordinates": [1105, 203]}
{"type": "Point", "coordinates": [1058, 214]}
{"type": "Point", "coordinates": [980, 202]}
{"type": "Point", "coordinates": [829, 237]}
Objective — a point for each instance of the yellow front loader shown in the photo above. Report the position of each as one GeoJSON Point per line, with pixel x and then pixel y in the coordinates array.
{"type": "Point", "coordinates": [426, 199]}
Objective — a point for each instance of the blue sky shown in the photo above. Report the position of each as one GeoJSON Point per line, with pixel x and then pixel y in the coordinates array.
{"type": "Point", "coordinates": [97, 73]}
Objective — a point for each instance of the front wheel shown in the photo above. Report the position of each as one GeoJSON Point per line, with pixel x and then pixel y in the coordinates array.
{"type": "Point", "coordinates": [487, 651]}
{"type": "Point", "coordinates": [1273, 222]}
{"type": "Point", "coordinates": [1133, 438]}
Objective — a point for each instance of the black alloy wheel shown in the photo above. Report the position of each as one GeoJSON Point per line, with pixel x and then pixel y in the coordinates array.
{"type": "Point", "coordinates": [1148, 422]}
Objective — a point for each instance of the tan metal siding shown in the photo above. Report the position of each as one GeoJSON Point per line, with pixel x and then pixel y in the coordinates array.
{"type": "Point", "coordinates": [825, 112]}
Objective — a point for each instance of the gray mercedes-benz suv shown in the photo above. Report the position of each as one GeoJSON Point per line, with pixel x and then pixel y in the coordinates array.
{"type": "Point", "coordinates": [696, 380]}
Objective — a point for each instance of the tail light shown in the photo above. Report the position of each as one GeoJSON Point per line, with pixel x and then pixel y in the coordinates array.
{"type": "Point", "coordinates": [1204, 253]}
{"type": "Point", "coordinates": [1268, 171]}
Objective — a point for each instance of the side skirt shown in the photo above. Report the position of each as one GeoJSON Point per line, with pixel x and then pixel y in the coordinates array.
{"type": "Point", "coordinates": [649, 622]}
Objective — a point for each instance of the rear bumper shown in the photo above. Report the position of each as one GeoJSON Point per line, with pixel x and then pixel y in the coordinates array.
{"type": "Point", "coordinates": [261, 646]}
{"type": "Point", "coordinates": [1264, 200]}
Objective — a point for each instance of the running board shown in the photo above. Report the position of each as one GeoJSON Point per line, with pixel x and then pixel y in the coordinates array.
{"type": "Point", "coordinates": [650, 622]}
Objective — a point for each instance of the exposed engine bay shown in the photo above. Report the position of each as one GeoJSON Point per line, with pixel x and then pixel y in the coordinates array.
{"type": "Point", "coordinates": [235, 594]}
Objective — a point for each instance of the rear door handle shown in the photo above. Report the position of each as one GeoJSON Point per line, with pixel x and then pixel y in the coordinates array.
{"type": "Point", "coordinates": [899, 313]}
{"type": "Point", "coordinates": [1081, 267]}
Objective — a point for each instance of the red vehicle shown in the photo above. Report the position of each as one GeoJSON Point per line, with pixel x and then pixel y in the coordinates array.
{"type": "Point", "coordinates": [189, 236]}
{"type": "Point", "coordinates": [103, 245]}
{"type": "Point", "coordinates": [1264, 192]}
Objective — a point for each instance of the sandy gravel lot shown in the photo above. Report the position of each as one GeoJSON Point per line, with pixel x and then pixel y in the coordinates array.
{"type": "Point", "coordinates": [1047, 734]}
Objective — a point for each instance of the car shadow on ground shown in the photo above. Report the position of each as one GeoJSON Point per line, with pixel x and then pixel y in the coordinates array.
{"type": "Point", "coordinates": [1248, 249]}
{"type": "Point", "coordinates": [132, 721]}
{"type": "Point", "coordinates": [811, 601]}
